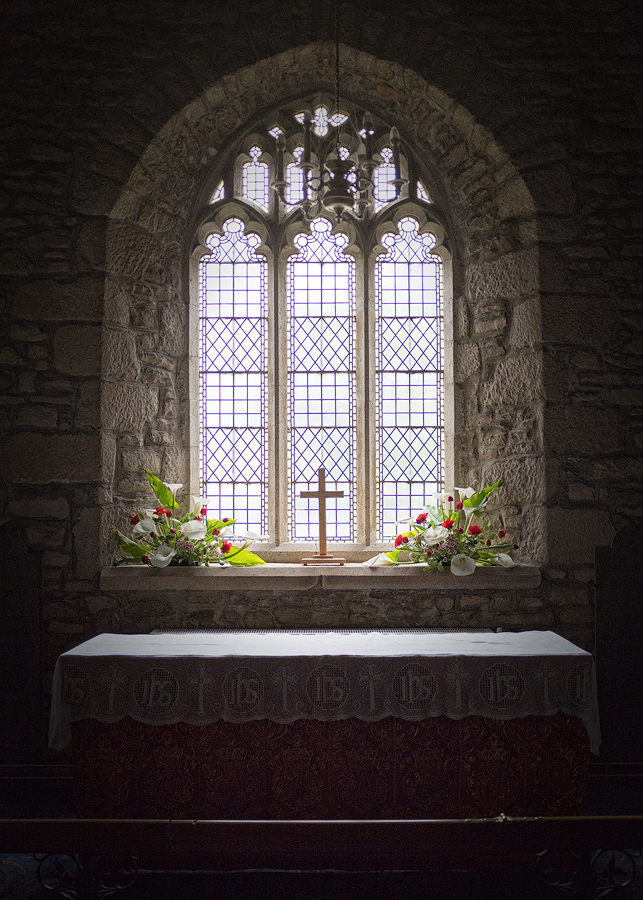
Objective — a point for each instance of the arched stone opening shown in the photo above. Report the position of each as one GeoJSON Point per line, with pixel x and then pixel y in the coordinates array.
{"type": "Point", "coordinates": [496, 393]}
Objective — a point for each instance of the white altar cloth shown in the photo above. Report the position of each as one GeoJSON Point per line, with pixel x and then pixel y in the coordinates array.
{"type": "Point", "coordinates": [283, 676]}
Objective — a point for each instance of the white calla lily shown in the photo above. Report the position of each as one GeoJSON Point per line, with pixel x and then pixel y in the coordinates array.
{"type": "Point", "coordinates": [227, 531]}
{"type": "Point", "coordinates": [148, 513]}
{"type": "Point", "coordinates": [442, 499]}
{"type": "Point", "coordinates": [433, 535]}
{"type": "Point", "coordinates": [463, 565]}
{"type": "Point", "coordinates": [173, 487]}
{"type": "Point", "coordinates": [380, 560]}
{"type": "Point", "coordinates": [194, 530]}
{"type": "Point", "coordinates": [145, 526]}
{"type": "Point", "coordinates": [465, 493]}
{"type": "Point", "coordinates": [198, 503]}
{"type": "Point", "coordinates": [252, 536]}
{"type": "Point", "coordinates": [503, 559]}
{"type": "Point", "coordinates": [163, 556]}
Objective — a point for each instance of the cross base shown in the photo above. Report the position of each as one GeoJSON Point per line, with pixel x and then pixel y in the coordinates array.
{"type": "Point", "coordinates": [326, 560]}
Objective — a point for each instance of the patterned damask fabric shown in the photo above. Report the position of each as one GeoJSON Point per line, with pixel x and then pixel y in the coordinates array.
{"type": "Point", "coordinates": [434, 768]}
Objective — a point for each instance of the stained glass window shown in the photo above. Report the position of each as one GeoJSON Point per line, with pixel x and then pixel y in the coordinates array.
{"type": "Point", "coordinates": [256, 179]}
{"type": "Point", "coordinates": [287, 374]}
{"type": "Point", "coordinates": [321, 380]}
{"type": "Point", "coordinates": [409, 374]}
{"type": "Point", "coordinates": [233, 357]}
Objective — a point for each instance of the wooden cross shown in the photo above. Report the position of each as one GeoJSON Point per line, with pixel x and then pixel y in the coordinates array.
{"type": "Point", "coordinates": [322, 558]}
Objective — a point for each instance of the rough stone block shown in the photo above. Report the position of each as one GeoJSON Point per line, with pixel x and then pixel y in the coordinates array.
{"type": "Point", "coordinates": [525, 324]}
{"type": "Point", "coordinates": [42, 507]}
{"type": "Point", "coordinates": [77, 350]}
{"type": "Point", "coordinates": [511, 276]}
{"type": "Point", "coordinates": [48, 300]}
{"type": "Point", "coordinates": [523, 481]}
{"type": "Point", "coordinates": [517, 381]}
{"type": "Point", "coordinates": [584, 429]}
{"type": "Point", "coordinates": [86, 534]}
{"type": "Point", "coordinates": [62, 458]}
{"type": "Point", "coordinates": [128, 407]}
{"type": "Point", "coordinates": [120, 356]}
{"type": "Point", "coordinates": [140, 460]}
{"type": "Point", "coordinates": [172, 329]}
{"type": "Point", "coordinates": [575, 533]}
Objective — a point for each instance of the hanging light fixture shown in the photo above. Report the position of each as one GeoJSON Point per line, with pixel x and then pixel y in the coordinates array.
{"type": "Point", "coordinates": [336, 182]}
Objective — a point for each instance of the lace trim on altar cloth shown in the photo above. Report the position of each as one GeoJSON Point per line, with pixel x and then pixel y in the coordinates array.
{"type": "Point", "coordinates": [197, 690]}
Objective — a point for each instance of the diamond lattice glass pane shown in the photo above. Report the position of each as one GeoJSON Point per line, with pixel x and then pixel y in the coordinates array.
{"type": "Point", "coordinates": [321, 380]}
{"type": "Point", "coordinates": [409, 375]}
{"type": "Point", "coordinates": [233, 353]}
{"type": "Point", "coordinates": [255, 179]}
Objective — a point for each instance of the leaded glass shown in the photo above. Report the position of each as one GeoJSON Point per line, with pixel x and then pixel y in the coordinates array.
{"type": "Point", "coordinates": [233, 332]}
{"type": "Point", "coordinates": [255, 178]}
{"type": "Point", "coordinates": [383, 190]}
{"type": "Point", "coordinates": [321, 380]}
{"type": "Point", "coordinates": [219, 193]}
{"type": "Point", "coordinates": [408, 285]}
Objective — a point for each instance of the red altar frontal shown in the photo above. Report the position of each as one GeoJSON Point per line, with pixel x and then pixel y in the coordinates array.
{"type": "Point", "coordinates": [280, 742]}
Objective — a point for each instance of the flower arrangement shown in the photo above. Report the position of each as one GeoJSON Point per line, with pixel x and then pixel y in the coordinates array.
{"type": "Point", "coordinates": [447, 537]}
{"type": "Point", "coordinates": [160, 539]}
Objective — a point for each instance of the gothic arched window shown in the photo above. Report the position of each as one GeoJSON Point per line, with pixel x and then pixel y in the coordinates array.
{"type": "Point", "coordinates": [320, 330]}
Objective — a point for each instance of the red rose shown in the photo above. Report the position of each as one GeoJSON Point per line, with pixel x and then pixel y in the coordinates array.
{"type": "Point", "coordinates": [501, 534]}
{"type": "Point", "coordinates": [458, 506]}
{"type": "Point", "coordinates": [421, 518]}
{"type": "Point", "coordinates": [473, 529]}
{"type": "Point", "coordinates": [168, 513]}
{"type": "Point", "coordinates": [429, 552]}
{"type": "Point", "coordinates": [152, 534]}
{"type": "Point", "coordinates": [405, 540]}
{"type": "Point", "coordinates": [226, 546]}
{"type": "Point", "coordinates": [448, 523]}
{"type": "Point", "coordinates": [204, 510]}
{"type": "Point", "coordinates": [450, 499]}
{"type": "Point", "coordinates": [226, 519]}
{"type": "Point", "coordinates": [398, 540]}
{"type": "Point", "coordinates": [146, 560]}
{"type": "Point", "coordinates": [135, 520]}
{"type": "Point", "coordinates": [488, 543]}
{"type": "Point", "coordinates": [160, 510]}
{"type": "Point", "coordinates": [460, 530]}
{"type": "Point", "coordinates": [216, 531]}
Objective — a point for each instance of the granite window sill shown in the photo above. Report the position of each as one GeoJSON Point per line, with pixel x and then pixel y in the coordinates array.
{"type": "Point", "coordinates": [295, 577]}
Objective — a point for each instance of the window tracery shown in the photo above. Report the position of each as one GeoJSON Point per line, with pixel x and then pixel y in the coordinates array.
{"type": "Point", "coordinates": [321, 341]}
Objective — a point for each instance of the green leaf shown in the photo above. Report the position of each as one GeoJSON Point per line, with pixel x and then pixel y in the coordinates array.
{"type": "Point", "coordinates": [393, 555]}
{"type": "Point", "coordinates": [479, 501]}
{"type": "Point", "coordinates": [244, 558]}
{"type": "Point", "coordinates": [131, 547]}
{"type": "Point", "coordinates": [434, 515]}
{"type": "Point", "coordinates": [163, 494]}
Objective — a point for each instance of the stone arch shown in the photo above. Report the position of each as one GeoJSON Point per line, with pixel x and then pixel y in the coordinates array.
{"type": "Point", "coordinates": [497, 394]}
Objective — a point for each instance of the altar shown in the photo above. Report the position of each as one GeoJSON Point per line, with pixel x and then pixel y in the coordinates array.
{"type": "Point", "coordinates": [353, 724]}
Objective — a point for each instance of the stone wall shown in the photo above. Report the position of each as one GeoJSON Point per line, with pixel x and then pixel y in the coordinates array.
{"type": "Point", "coordinates": [532, 115]}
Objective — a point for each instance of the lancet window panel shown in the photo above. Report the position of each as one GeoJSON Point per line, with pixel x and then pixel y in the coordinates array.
{"type": "Point", "coordinates": [409, 374]}
{"type": "Point", "coordinates": [233, 377]}
{"type": "Point", "coordinates": [321, 380]}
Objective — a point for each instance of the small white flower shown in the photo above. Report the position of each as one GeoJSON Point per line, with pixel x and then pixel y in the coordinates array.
{"type": "Point", "coordinates": [463, 565]}
{"type": "Point", "coordinates": [465, 493]}
{"type": "Point", "coordinates": [145, 526]}
{"type": "Point", "coordinates": [503, 559]}
{"type": "Point", "coordinates": [194, 530]}
{"type": "Point", "coordinates": [163, 556]}
{"type": "Point", "coordinates": [172, 487]}
{"type": "Point", "coordinates": [197, 505]}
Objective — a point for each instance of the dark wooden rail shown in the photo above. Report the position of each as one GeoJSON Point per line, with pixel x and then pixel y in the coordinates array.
{"type": "Point", "coordinates": [311, 844]}
{"type": "Point", "coordinates": [560, 851]}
